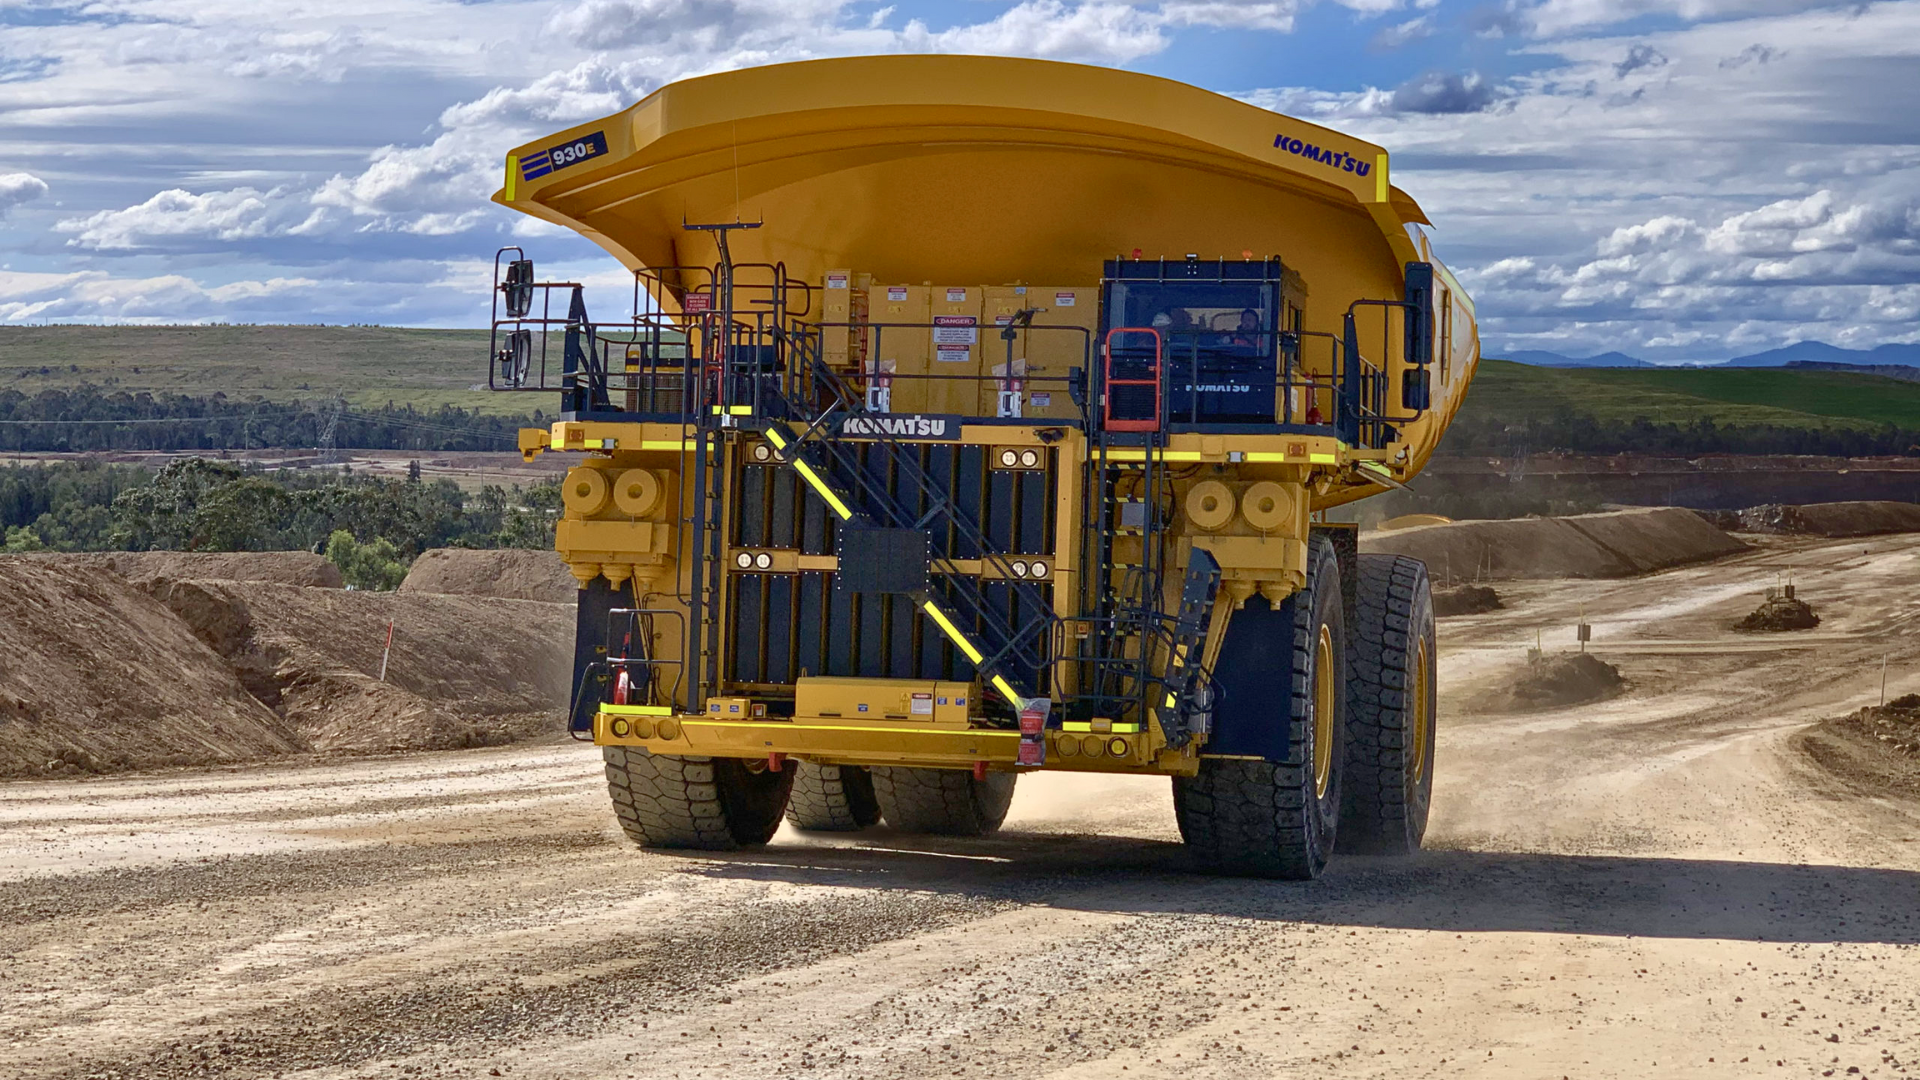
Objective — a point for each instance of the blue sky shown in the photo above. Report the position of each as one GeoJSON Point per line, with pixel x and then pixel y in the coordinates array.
{"type": "Point", "coordinates": [1679, 179]}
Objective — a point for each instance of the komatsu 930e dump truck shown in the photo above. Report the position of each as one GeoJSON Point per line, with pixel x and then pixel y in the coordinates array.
{"type": "Point", "coordinates": [978, 416]}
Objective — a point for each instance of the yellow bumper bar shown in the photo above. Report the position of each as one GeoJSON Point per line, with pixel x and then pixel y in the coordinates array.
{"type": "Point", "coordinates": [851, 743]}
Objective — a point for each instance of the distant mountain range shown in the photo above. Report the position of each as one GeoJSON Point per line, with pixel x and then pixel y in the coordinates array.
{"type": "Point", "coordinates": [1801, 353]}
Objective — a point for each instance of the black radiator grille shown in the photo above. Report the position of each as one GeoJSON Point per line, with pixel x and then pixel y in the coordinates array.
{"type": "Point", "coordinates": [782, 625]}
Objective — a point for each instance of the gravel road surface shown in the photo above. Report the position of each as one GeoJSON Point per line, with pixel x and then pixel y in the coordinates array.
{"type": "Point", "coordinates": [1661, 884]}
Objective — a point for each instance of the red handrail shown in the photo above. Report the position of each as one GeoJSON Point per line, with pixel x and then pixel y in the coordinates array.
{"type": "Point", "coordinates": [1106, 398]}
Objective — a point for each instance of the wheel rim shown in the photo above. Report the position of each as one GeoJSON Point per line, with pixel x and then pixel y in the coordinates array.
{"type": "Point", "coordinates": [1422, 704]}
{"type": "Point", "coordinates": [1323, 691]}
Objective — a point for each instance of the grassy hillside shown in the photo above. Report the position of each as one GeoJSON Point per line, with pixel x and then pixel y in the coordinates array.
{"type": "Point", "coordinates": [1732, 397]}
{"type": "Point", "coordinates": [371, 365]}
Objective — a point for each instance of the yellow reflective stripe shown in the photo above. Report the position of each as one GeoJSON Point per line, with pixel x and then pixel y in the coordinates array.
{"type": "Point", "coordinates": [636, 710]}
{"type": "Point", "coordinates": [803, 724]}
{"type": "Point", "coordinates": [1380, 178]}
{"type": "Point", "coordinates": [1258, 456]}
{"type": "Point", "coordinates": [1076, 725]}
{"type": "Point", "coordinates": [774, 438]}
{"type": "Point", "coordinates": [1322, 459]}
{"type": "Point", "coordinates": [1164, 455]}
{"type": "Point", "coordinates": [513, 175]}
{"type": "Point", "coordinates": [826, 492]}
{"type": "Point", "coordinates": [1170, 701]}
{"type": "Point", "coordinates": [1006, 691]}
{"type": "Point", "coordinates": [665, 444]}
{"type": "Point", "coordinates": [740, 410]}
{"type": "Point", "coordinates": [974, 655]}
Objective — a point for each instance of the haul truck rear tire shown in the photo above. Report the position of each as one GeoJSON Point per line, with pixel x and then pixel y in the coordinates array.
{"type": "Point", "coordinates": [832, 798]}
{"type": "Point", "coordinates": [1390, 709]}
{"type": "Point", "coordinates": [1279, 820]}
{"type": "Point", "coordinates": [711, 804]}
{"type": "Point", "coordinates": [943, 802]}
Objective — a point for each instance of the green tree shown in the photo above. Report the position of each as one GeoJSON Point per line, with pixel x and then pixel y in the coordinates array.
{"type": "Point", "coordinates": [374, 566]}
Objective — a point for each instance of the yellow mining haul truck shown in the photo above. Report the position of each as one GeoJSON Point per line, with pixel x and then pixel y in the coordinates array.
{"type": "Point", "coordinates": [978, 416]}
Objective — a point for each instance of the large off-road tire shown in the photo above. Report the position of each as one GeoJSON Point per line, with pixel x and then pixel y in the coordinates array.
{"type": "Point", "coordinates": [1280, 820]}
{"type": "Point", "coordinates": [713, 804]}
{"type": "Point", "coordinates": [943, 802]}
{"type": "Point", "coordinates": [1390, 709]}
{"type": "Point", "coordinates": [832, 798]}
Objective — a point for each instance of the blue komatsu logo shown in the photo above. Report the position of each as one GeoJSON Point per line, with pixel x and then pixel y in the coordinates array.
{"type": "Point", "coordinates": [1324, 155]}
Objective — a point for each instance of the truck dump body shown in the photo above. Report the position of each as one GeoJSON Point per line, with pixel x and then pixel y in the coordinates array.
{"type": "Point", "coordinates": [974, 414]}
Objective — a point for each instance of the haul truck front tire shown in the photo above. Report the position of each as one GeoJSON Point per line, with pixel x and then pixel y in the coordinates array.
{"type": "Point", "coordinates": [1390, 709]}
{"type": "Point", "coordinates": [943, 802]}
{"type": "Point", "coordinates": [1279, 820]}
{"type": "Point", "coordinates": [832, 798]}
{"type": "Point", "coordinates": [710, 804]}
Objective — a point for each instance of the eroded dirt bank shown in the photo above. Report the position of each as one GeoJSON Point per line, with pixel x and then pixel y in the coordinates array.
{"type": "Point", "coordinates": [1660, 884]}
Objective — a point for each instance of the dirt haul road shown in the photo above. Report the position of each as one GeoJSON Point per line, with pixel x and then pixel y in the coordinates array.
{"type": "Point", "coordinates": [1662, 884]}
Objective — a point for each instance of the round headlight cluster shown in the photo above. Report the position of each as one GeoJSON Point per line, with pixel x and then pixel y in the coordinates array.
{"type": "Point", "coordinates": [1009, 458]}
{"type": "Point", "coordinates": [1024, 569]}
{"type": "Point", "coordinates": [744, 560]}
{"type": "Point", "coordinates": [762, 452]}
{"type": "Point", "coordinates": [1029, 459]}
{"type": "Point", "coordinates": [763, 560]}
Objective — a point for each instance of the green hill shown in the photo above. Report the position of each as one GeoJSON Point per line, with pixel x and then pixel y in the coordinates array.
{"type": "Point", "coordinates": [1733, 397]}
{"type": "Point", "coordinates": [371, 365]}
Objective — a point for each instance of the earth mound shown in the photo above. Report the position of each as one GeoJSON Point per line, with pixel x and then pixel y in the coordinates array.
{"type": "Point", "coordinates": [1622, 543]}
{"type": "Point", "coordinates": [1554, 681]}
{"type": "Point", "coordinates": [508, 573]}
{"type": "Point", "coordinates": [1780, 613]}
{"type": "Point", "coordinates": [1466, 600]}
{"type": "Point", "coordinates": [96, 675]}
{"type": "Point", "coordinates": [1877, 747]}
{"type": "Point", "coordinates": [285, 567]}
{"type": "Point", "coordinates": [1864, 518]}
{"type": "Point", "coordinates": [464, 671]}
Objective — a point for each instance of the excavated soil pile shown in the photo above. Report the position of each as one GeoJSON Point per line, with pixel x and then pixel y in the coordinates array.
{"type": "Point", "coordinates": [464, 672]}
{"type": "Point", "coordinates": [285, 567]}
{"type": "Point", "coordinates": [1554, 681]}
{"type": "Point", "coordinates": [1832, 519]}
{"type": "Point", "coordinates": [1623, 543]}
{"type": "Point", "coordinates": [1466, 600]}
{"type": "Point", "coordinates": [1780, 613]}
{"type": "Point", "coordinates": [1878, 746]}
{"type": "Point", "coordinates": [1895, 725]}
{"type": "Point", "coordinates": [96, 675]}
{"type": "Point", "coordinates": [511, 574]}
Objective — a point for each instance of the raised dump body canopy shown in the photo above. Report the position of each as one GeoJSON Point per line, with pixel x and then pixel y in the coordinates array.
{"type": "Point", "coordinates": [967, 169]}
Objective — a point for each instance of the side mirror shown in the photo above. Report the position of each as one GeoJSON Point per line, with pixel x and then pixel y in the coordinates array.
{"type": "Point", "coordinates": [518, 288]}
{"type": "Point", "coordinates": [1416, 390]}
{"type": "Point", "coordinates": [515, 358]}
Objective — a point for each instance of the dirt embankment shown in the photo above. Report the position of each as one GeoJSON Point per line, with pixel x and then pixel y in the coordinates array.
{"type": "Point", "coordinates": [1877, 747]}
{"type": "Point", "coordinates": [285, 567]}
{"type": "Point", "coordinates": [1619, 544]}
{"type": "Point", "coordinates": [511, 574]}
{"type": "Point", "coordinates": [1836, 519]}
{"type": "Point", "coordinates": [464, 671]}
{"type": "Point", "coordinates": [98, 673]}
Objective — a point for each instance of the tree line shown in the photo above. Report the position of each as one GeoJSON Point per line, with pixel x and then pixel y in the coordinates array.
{"type": "Point", "coordinates": [1475, 433]}
{"type": "Point", "coordinates": [87, 418]}
{"type": "Point", "coordinates": [373, 527]}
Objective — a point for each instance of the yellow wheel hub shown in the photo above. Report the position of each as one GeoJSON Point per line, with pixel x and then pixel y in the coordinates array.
{"type": "Point", "coordinates": [1323, 712]}
{"type": "Point", "coordinates": [1422, 708]}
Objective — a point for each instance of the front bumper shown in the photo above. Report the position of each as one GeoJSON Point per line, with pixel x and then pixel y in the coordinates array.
{"type": "Point", "coordinates": [841, 742]}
